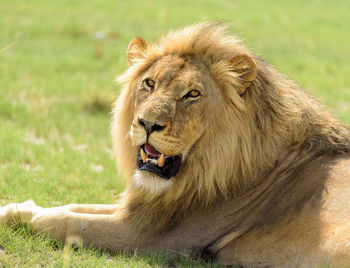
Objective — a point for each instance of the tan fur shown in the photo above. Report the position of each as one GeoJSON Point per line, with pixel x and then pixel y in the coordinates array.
{"type": "Point", "coordinates": [265, 173]}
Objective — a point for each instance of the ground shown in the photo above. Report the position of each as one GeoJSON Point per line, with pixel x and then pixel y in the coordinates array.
{"type": "Point", "coordinates": [57, 84]}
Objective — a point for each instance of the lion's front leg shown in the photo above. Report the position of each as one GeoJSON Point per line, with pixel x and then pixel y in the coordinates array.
{"type": "Point", "coordinates": [99, 230]}
{"type": "Point", "coordinates": [96, 225]}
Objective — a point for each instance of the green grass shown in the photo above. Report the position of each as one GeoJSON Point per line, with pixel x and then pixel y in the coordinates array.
{"type": "Point", "coordinates": [57, 83]}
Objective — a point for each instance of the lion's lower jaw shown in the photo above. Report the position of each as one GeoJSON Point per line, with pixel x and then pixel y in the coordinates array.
{"type": "Point", "coordinates": [151, 182]}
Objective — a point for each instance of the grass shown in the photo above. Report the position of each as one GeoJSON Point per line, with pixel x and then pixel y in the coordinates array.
{"type": "Point", "coordinates": [57, 84]}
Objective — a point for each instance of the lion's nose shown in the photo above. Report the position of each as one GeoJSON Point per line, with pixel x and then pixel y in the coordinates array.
{"type": "Point", "coordinates": [150, 126]}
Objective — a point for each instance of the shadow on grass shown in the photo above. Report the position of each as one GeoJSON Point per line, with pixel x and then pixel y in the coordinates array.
{"type": "Point", "coordinates": [165, 258]}
{"type": "Point", "coordinates": [25, 231]}
{"type": "Point", "coordinates": [72, 255]}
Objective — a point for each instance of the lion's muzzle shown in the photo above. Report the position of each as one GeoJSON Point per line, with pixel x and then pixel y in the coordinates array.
{"type": "Point", "coordinates": [151, 160]}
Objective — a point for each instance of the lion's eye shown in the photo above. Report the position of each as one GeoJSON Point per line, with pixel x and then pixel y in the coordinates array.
{"type": "Point", "coordinates": [192, 94]}
{"type": "Point", "coordinates": [149, 84]}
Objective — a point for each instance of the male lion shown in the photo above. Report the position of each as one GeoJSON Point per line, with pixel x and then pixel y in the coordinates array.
{"type": "Point", "coordinates": [225, 157]}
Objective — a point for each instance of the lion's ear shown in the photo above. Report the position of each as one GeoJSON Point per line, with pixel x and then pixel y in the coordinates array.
{"type": "Point", "coordinates": [245, 67]}
{"type": "Point", "coordinates": [136, 49]}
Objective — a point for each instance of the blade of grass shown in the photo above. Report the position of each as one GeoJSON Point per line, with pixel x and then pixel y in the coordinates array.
{"type": "Point", "coordinates": [8, 46]}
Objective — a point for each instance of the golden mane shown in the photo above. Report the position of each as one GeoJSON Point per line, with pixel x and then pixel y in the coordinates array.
{"type": "Point", "coordinates": [234, 153]}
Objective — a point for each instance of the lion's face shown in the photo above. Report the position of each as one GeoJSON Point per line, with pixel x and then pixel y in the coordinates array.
{"type": "Point", "coordinates": [179, 108]}
{"type": "Point", "coordinates": [171, 111]}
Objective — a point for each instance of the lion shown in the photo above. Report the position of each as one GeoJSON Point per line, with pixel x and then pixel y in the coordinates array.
{"type": "Point", "coordinates": [225, 158]}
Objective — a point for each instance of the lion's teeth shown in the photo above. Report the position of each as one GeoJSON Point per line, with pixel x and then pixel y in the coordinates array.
{"type": "Point", "coordinates": [143, 156]}
{"type": "Point", "coordinates": [161, 160]}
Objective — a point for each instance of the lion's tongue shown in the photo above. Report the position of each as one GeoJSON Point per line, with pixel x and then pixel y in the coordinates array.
{"type": "Point", "coordinates": [153, 155]}
{"type": "Point", "coordinates": [151, 151]}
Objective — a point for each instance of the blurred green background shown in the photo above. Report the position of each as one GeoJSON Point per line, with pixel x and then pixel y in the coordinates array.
{"type": "Point", "coordinates": [57, 85]}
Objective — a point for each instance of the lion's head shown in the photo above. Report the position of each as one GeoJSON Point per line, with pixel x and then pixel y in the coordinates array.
{"type": "Point", "coordinates": [180, 105]}
{"type": "Point", "coordinates": [203, 115]}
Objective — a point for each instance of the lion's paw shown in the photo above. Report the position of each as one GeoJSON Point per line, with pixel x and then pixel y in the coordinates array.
{"type": "Point", "coordinates": [19, 212]}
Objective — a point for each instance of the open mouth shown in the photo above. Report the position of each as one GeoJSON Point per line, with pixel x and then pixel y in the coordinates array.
{"type": "Point", "coordinates": [156, 162]}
